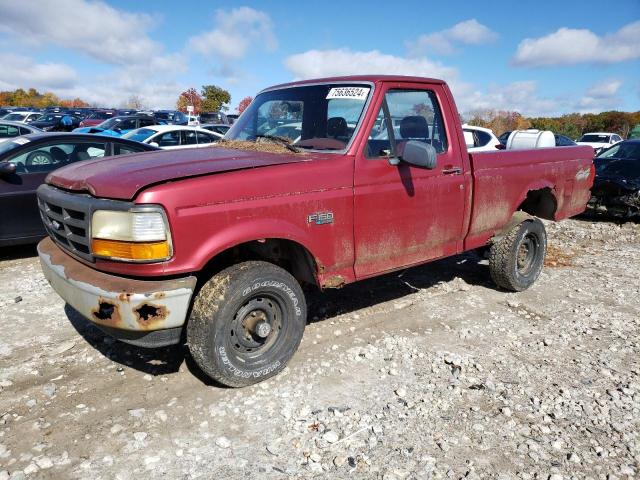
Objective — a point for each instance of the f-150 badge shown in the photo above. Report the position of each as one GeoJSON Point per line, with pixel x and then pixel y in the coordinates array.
{"type": "Point", "coordinates": [320, 218]}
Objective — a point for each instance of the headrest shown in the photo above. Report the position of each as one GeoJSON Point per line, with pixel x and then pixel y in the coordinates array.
{"type": "Point", "coordinates": [337, 127]}
{"type": "Point", "coordinates": [414, 126]}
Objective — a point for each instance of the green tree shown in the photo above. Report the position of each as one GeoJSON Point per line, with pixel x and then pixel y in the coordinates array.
{"type": "Point", "coordinates": [214, 98]}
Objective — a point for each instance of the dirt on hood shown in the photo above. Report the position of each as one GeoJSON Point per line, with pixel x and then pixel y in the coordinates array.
{"type": "Point", "coordinates": [259, 145]}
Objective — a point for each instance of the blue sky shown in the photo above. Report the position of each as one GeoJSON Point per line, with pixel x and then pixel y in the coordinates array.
{"type": "Point", "coordinates": [546, 59]}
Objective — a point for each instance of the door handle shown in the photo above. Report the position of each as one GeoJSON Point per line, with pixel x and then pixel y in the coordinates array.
{"type": "Point", "coordinates": [451, 171]}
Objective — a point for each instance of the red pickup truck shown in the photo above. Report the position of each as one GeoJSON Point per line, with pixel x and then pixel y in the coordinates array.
{"type": "Point", "coordinates": [321, 182]}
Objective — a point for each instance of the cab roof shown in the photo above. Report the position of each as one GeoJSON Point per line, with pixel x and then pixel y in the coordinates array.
{"type": "Point", "coordinates": [359, 78]}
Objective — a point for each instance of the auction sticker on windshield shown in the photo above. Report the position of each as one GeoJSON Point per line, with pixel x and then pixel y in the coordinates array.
{"type": "Point", "coordinates": [354, 93]}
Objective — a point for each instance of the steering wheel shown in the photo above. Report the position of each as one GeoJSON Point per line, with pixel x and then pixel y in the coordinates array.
{"type": "Point", "coordinates": [39, 157]}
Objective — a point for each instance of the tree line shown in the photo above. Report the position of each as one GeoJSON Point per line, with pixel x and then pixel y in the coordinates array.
{"type": "Point", "coordinates": [211, 98]}
{"type": "Point", "coordinates": [573, 125]}
{"type": "Point", "coordinates": [33, 98]}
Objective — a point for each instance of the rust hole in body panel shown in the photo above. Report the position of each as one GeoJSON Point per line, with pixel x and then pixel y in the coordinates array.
{"type": "Point", "coordinates": [106, 312]}
{"type": "Point", "coordinates": [147, 313]}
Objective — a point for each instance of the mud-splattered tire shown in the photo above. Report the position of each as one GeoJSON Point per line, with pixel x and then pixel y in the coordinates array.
{"type": "Point", "coordinates": [246, 323]}
{"type": "Point", "coordinates": [516, 260]}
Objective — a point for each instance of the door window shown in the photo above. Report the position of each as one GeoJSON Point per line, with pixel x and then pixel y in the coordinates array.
{"type": "Point", "coordinates": [8, 131]}
{"type": "Point", "coordinates": [189, 137]}
{"type": "Point", "coordinates": [169, 139]}
{"type": "Point", "coordinates": [45, 158]}
{"type": "Point", "coordinates": [205, 137]}
{"type": "Point", "coordinates": [414, 115]}
{"type": "Point", "coordinates": [125, 149]}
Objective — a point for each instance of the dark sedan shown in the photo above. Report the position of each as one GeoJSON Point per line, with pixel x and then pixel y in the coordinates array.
{"type": "Point", "coordinates": [616, 188]}
{"type": "Point", "coordinates": [26, 161]}
{"type": "Point", "coordinates": [57, 122]}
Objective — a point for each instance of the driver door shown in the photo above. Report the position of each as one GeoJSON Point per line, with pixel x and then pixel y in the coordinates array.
{"type": "Point", "coordinates": [405, 214]}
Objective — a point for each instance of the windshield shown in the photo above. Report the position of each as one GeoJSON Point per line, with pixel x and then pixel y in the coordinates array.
{"type": "Point", "coordinates": [110, 124]}
{"type": "Point", "coordinates": [139, 135]}
{"type": "Point", "coordinates": [14, 117]}
{"type": "Point", "coordinates": [622, 150]}
{"type": "Point", "coordinates": [49, 118]}
{"type": "Point", "coordinates": [164, 115]}
{"type": "Point", "coordinates": [594, 138]}
{"type": "Point", "coordinates": [318, 117]}
{"type": "Point", "coordinates": [628, 169]}
{"type": "Point", "coordinates": [100, 115]}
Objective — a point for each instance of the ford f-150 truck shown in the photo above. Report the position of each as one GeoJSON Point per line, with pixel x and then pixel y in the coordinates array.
{"type": "Point", "coordinates": [321, 182]}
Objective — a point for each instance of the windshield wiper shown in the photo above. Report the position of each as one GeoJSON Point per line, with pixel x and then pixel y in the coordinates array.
{"type": "Point", "coordinates": [281, 140]}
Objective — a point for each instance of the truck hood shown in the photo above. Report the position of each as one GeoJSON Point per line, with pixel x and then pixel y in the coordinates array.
{"type": "Point", "coordinates": [122, 177]}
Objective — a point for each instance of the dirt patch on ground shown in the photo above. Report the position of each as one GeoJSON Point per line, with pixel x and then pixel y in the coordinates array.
{"type": "Point", "coordinates": [559, 256]}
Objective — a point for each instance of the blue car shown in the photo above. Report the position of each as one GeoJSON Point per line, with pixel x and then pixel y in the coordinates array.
{"type": "Point", "coordinates": [118, 126]}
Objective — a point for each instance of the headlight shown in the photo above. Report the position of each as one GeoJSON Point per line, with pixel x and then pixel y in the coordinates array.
{"type": "Point", "coordinates": [138, 235]}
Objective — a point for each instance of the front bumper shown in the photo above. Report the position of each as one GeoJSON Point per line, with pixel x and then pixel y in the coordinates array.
{"type": "Point", "coordinates": [125, 308]}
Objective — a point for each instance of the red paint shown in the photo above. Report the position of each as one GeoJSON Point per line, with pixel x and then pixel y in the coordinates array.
{"type": "Point", "coordinates": [385, 217]}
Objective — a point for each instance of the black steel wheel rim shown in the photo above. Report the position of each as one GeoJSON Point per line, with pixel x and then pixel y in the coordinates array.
{"type": "Point", "coordinates": [527, 254]}
{"type": "Point", "coordinates": [256, 325]}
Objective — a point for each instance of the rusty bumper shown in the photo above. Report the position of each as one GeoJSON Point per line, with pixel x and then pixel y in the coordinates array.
{"type": "Point", "coordinates": [114, 302]}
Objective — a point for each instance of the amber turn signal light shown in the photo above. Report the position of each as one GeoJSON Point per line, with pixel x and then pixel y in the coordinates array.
{"type": "Point", "coordinates": [136, 251]}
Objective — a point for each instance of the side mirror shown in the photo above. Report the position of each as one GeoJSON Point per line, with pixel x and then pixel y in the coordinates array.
{"type": "Point", "coordinates": [154, 144]}
{"type": "Point", "coordinates": [7, 168]}
{"type": "Point", "coordinates": [420, 154]}
{"type": "Point", "coordinates": [500, 147]}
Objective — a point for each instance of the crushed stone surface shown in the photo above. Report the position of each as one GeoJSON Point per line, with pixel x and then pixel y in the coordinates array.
{"type": "Point", "coordinates": [426, 373]}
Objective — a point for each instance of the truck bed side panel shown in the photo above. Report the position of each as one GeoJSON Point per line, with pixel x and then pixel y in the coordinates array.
{"type": "Point", "coordinates": [502, 180]}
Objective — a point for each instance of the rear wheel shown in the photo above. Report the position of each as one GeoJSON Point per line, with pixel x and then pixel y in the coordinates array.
{"type": "Point", "coordinates": [516, 260]}
{"type": "Point", "coordinates": [246, 323]}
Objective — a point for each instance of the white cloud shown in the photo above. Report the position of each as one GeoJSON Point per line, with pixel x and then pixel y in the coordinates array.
{"type": "Point", "coordinates": [599, 97]}
{"type": "Point", "coordinates": [94, 28]}
{"type": "Point", "coordinates": [326, 63]}
{"type": "Point", "coordinates": [235, 31]}
{"type": "Point", "coordinates": [520, 96]}
{"type": "Point", "coordinates": [568, 46]}
{"type": "Point", "coordinates": [24, 72]}
{"type": "Point", "coordinates": [469, 32]}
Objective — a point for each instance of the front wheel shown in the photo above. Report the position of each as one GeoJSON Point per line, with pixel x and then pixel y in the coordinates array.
{"type": "Point", "coordinates": [246, 323]}
{"type": "Point", "coordinates": [516, 260]}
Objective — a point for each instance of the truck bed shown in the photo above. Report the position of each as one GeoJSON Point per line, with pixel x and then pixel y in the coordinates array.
{"type": "Point", "coordinates": [504, 179]}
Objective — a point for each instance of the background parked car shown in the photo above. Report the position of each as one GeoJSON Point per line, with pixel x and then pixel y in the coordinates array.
{"type": "Point", "coordinates": [15, 129]}
{"type": "Point", "coordinates": [118, 126]}
{"type": "Point", "coordinates": [479, 139]}
{"type": "Point", "coordinates": [216, 127]}
{"type": "Point", "coordinates": [170, 117]}
{"type": "Point", "coordinates": [232, 117]}
{"type": "Point", "coordinates": [616, 189]}
{"type": "Point", "coordinates": [22, 117]}
{"type": "Point", "coordinates": [214, 117]}
{"type": "Point", "coordinates": [57, 122]}
{"type": "Point", "coordinates": [174, 136]}
{"type": "Point", "coordinates": [599, 140]}
{"type": "Point", "coordinates": [626, 150]}
{"type": "Point", "coordinates": [97, 117]}
{"type": "Point", "coordinates": [24, 164]}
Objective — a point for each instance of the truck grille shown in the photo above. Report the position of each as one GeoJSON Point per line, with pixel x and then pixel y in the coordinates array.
{"type": "Point", "coordinates": [67, 217]}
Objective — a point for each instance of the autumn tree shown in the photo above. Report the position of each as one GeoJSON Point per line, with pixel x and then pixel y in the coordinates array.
{"type": "Point", "coordinates": [189, 97]}
{"type": "Point", "coordinates": [214, 98]}
{"type": "Point", "coordinates": [244, 103]}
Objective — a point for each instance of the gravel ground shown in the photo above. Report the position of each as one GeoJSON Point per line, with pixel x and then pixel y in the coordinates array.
{"type": "Point", "coordinates": [427, 373]}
